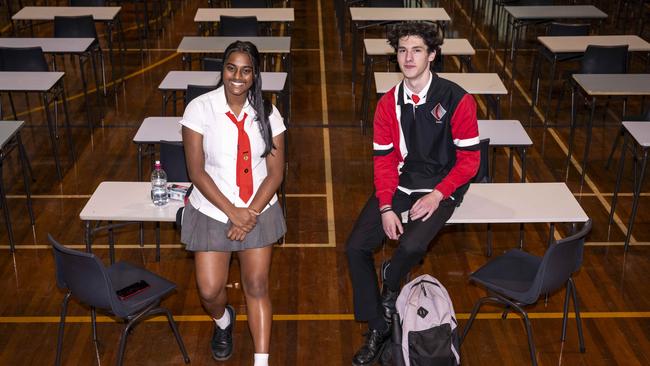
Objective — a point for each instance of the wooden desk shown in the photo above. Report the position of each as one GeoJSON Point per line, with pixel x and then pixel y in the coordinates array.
{"type": "Point", "coordinates": [174, 81]}
{"type": "Point", "coordinates": [374, 16]}
{"type": "Point", "coordinates": [520, 16]}
{"type": "Point", "coordinates": [73, 46]}
{"type": "Point", "coordinates": [509, 134]}
{"type": "Point", "coordinates": [128, 203]}
{"type": "Point", "coordinates": [267, 15]}
{"type": "Point", "coordinates": [106, 14]}
{"type": "Point", "coordinates": [595, 85]}
{"type": "Point", "coordinates": [578, 44]}
{"type": "Point", "coordinates": [640, 133]}
{"type": "Point", "coordinates": [152, 131]}
{"type": "Point", "coordinates": [9, 139]}
{"type": "Point", "coordinates": [50, 85]}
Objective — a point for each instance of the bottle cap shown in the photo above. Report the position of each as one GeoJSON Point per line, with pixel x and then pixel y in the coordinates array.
{"type": "Point", "coordinates": [157, 164]}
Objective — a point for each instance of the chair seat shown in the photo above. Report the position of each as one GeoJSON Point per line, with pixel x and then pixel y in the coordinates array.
{"type": "Point", "coordinates": [123, 274]}
{"type": "Point", "coordinates": [511, 274]}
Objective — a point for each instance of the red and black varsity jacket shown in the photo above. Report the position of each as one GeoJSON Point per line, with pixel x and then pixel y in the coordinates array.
{"type": "Point", "coordinates": [432, 146]}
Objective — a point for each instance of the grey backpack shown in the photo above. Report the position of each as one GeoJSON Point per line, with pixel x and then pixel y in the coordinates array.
{"type": "Point", "coordinates": [428, 325]}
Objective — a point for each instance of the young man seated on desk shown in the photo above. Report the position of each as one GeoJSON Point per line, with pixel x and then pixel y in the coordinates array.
{"type": "Point", "coordinates": [426, 150]}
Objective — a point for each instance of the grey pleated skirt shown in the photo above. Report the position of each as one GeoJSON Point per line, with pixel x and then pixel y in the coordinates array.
{"type": "Point", "coordinates": [201, 233]}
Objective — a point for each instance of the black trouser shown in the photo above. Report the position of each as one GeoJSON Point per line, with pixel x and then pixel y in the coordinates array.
{"type": "Point", "coordinates": [368, 234]}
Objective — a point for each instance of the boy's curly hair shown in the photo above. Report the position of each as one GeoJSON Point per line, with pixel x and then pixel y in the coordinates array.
{"type": "Point", "coordinates": [430, 33]}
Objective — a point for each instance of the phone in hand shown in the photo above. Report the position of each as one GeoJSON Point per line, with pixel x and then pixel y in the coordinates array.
{"type": "Point", "coordinates": [132, 289]}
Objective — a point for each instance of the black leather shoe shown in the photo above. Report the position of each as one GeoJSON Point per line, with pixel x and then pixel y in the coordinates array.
{"type": "Point", "coordinates": [369, 353]}
{"type": "Point", "coordinates": [388, 299]}
{"type": "Point", "coordinates": [221, 344]}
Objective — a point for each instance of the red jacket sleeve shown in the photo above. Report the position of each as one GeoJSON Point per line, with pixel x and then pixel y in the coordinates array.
{"type": "Point", "coordinates": [464, 132]}
{"type": "Point", "coordinates": [385, 150]}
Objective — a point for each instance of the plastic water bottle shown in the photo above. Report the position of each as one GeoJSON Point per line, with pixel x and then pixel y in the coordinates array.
{"type": "Point", "coordinates": [159, 194]}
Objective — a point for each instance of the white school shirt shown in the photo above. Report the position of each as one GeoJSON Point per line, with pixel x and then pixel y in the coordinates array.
{"type": "Point", "coordinates": [206, 115]}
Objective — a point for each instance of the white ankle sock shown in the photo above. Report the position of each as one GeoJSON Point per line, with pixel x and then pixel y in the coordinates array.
{"type": "Point", "coordinates": [224, 321]}
{"type": "Point", "coordinates": [261, 359]}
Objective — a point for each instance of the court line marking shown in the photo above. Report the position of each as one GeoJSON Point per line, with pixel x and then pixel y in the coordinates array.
{"type": "Point", "coordinates": [329, 190]}
{"type": "Point", "coordinates": [319, 317]}
{"type": "Point", "coordinates": [285, 245]}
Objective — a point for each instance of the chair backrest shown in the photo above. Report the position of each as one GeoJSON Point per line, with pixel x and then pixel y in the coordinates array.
{"type": "Point", "coordinates": [483, 173]}
{"type": "Point", "coordinates": [604, 60]}
{"type": "Point", "coordinates": [194, 91]}
{"type": "Point", "coordinates": [249, 4]}
{"type": "Point", "coordinates": [561, 259]}
{"type": "Point", "coordinates": [212, 64]}
{"type": "Point", "coordinates": [82, 26]}
{"type": "Point", "coordinates": [83, 274]}
{"type": "Point", "coordinates": [565, 29]}
{"type": "Point", "coordinates": [22, 59]}
{"type": "Point", "coordinates": [386, 3]}
{"type": "Point", "coordinates": [238, 26]}
{"type": "Point", "coordinates": [172, 158]}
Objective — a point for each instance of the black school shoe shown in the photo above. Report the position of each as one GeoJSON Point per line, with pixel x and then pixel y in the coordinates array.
{"type": "Point", "coordinates": [369, 353]}
{"type": "Point", "coordinates": [221, 344]}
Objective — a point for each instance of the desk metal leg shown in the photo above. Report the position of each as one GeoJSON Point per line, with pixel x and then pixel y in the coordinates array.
{"type": "Point", "coordinates": [50, 127]}
{"type": "Point", "coordinates": [365, 97]}
{"type": "Point", "coordinates": [88, 235]}
{"type": "Point", "coordinates": [24, 164]}
{"type": "Point", "coordinates": [523, 164]}
{"type": "Point", "coordinates": [355, 30]}
{"type": "Point", "coordinates": [157, 241]}
{"type": "Point", "coordinates": [571, 132]}
{"type": "Point", "coordinates": [68, 129]}
{"type": "Point", "coordinates": [111, 242]}
{"type": "Point", "coordinates": [84, 85]}
{"type": "Point", "coordinates": [635, 203]}
{"type": "Point", "coordinates": [174, 103]}
{"type": "Point", "coordinates": [619, 176]}
{"type": "Point", "coordinates": [5, 210]}
{"type": "Point", "coordinates": [139, 162]}
{"type": "Point", "coordinates": [550, 91]}
{"type": "Point", "coordinates": [588, 142]}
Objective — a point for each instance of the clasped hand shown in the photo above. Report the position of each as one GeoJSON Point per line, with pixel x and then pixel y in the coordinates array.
{"type": "Point", "coordinates": [243, 221]}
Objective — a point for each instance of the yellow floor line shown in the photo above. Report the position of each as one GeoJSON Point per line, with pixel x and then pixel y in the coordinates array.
{"type": "Point", "coordinates": [318, 317]}
{"type": "Point", "coordinates": [109, 84]}
{"type": "Point", "coordinates": [327, 157]}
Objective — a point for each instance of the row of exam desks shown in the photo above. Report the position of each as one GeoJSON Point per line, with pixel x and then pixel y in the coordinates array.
{"type": "Point", "coordinates": [520, 16]}
{"type": "Point", "coordinates": [488, 203]}
{"type": "Point", "coordinates": [108, 15]}
{"type": "Point", "coordinates": [578, 44]}
{"type": "Point", "coordinates": [508, 134]}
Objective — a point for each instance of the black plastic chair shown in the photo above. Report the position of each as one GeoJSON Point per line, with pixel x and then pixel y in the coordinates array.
{"type": "Point", "coordinates": [194, 91]}
{"type": "Point", "coordinates": [238, 26]}
{"type": "Point", "coordinates": [21, 59]}
{"type": "Point", "coordinates": [598, 60]}
{"type": "Point", "coordinates": [172, 159]}
{"type": "Point", "coordinates": [88, 3]}
{"type": "Point", "coordinates": [483, 174]}
{"type": "Point", "coordinates": [212, 64]}
{"type": "Point", "coordinates": [517, 279]}
{"type": "Point", "coordinates": [84, 276]}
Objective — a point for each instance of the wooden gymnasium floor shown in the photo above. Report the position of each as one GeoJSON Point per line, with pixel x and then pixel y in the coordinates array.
{"type": "Point", "coordinates": [330, 177]}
